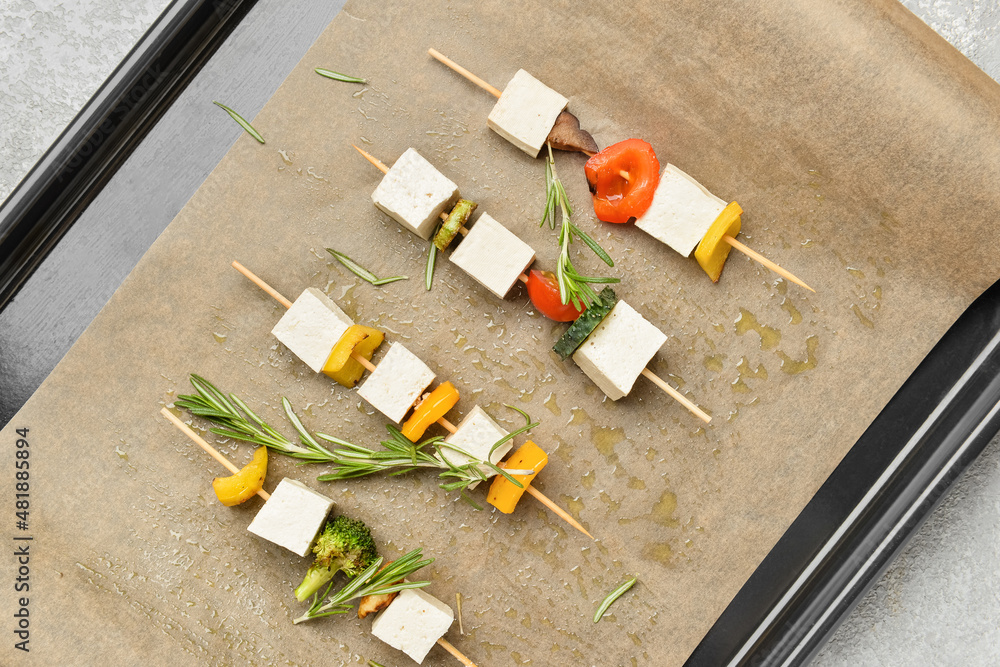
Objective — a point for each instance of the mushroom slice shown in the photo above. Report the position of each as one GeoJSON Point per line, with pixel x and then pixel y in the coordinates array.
{"type": "Point", "coordinates": [566, 135]}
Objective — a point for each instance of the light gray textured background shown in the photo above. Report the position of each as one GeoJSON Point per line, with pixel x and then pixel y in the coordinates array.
{"type": "Point", "coordinates": [939, 603]}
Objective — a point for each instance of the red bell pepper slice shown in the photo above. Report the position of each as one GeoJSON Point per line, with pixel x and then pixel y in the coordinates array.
{"type": "Point", "coordinates": [617, 199]}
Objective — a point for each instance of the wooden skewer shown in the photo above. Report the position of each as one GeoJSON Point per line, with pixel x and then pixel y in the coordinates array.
{"type": "Point", "coordinates": [212, 451]}
{"type": "Point", "coordinates": [676, 395]}
{"type": "Point", "coordinates": [524, 279]}
{"type": "Point", "coordinates": [560, 512]}
{"type": "Point", "coordinates": [374, 160]}
{"type": "Point", "coordinates": [753, 254]}
{"type": "Point", "coordinates": [448, 62]}
{"type": "Point", "coordinates": [261, 284]}
{"type": "Point", "coordinates": [444, 216]}
{"type": "Point", "coordinates": [256, 280]}
{"type": "Point", "coordinates": [538, 495]}
{"type": "Point", "coordinates": [455, 652]}
{"type": "Point", "coordinates": [624, 174]}
{"type": "Point", "coordinates": [764, 261]}
{"type": "Point", "coordinates": [448, 426]}
{"type": "Point", "coordinates": [215, 454]}
{"type": "Point", "coordinates": [385, 170]}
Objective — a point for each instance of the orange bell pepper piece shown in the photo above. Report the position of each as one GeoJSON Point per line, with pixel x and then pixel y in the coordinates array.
{"type": "Point", "coordinates": [243, 485]}
{"type": "Point", "coordinates": [436, 405]}
{"type": "Point", "coordinates": [504, 495]}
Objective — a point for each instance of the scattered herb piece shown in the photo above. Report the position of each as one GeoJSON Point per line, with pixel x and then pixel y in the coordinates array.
{"type": "Point", "coordinates": [429, 271]}
{"type": "Point", "coordinates": [337, 76]}
{"type": "Point", "coordinates": [362, 272]}
{"type": "Point", "coordinates": [370, 582]}
{"type": "Point", "coordinates": [612, 596]}
{"type": "Point", "coordinates": [239, 119]}
{"type": "Point", "coordinates": [372, 663]}
{"type": "Point", "coordinates": [573, 288]}
{"type": "Point", "coordinates": [458, 601]}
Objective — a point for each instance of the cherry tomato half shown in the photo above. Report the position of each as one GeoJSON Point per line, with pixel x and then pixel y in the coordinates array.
{"type": "Point", "coordinates": [543, 290]}
{"type": "Point", "coordinates": [615, 198]}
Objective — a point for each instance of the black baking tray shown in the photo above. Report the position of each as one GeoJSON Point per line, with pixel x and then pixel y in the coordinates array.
{"type": "Point", "coordinates": [56, 221]}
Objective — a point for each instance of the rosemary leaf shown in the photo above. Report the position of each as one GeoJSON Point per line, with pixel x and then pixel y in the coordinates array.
{"type": "Point", "coordinates": [476, 506]}
{"type": "Point", "coordinates": [353, 267]}
{"type": "Point", "coordinates": [612, 596]}
{"type": "Point", "coordinates": [593, 245]}
{"type": "Point", "coordinates": [386, 281]}
{"type": "Point", "coordinates": [362, 272]}
{"type": "Point", "coordinates": [429, 271]}
{"type": "Point", "coordinates": [337, 76]}
{"type": "Point", "coordinates": [243, 123]}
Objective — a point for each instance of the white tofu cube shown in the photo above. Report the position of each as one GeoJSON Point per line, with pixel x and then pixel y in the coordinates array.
{"type": "Point", "coordinates": [413, 622]}
{"type": "Point", "coordinates": [614, 355]}
{"type": "Point", "coordinates": [414, 194]}
{"type": "Point", "coordinates": [476, 434]}
{"type": "Point", "coordinates": [311, 327]}
{"type": "Point", "coordinates": [292, 517]}
{"type": "Point", "coordinates": [493, 255]}
{"type": "Point", "coordinates": [525, 113]}
{"type": "Point", "coordinates": [681, 212]}
{"type": "Point", "coordinates": [397, 383]}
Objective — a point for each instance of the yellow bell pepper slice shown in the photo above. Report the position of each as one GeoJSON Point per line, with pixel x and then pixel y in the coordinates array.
{"type": "Point", "coordinates": [504, 495]}
{"type": "Point", "coordinates": [360, 340]}
{"type": "Point", "coordinates": [712, 251]}
{"type": "Point", "coordinates": [436, 405]}
{"type": "Point", "coordinates": [243, 485]}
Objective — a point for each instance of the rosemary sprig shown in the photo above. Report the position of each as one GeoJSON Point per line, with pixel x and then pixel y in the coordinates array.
{"type": "Point", "coordinates": [370, 582]}
{"type": "Point", "coordinates": [612, 596]}
{"type": "Point", "coordinates": [362, 272]}
{"type": "Point", "coordinates": [337, 76]}
{"type": "Point", "coordinates": [239, 119]}
{"type": "Point", "coordinates": [397, 456]}
{"type": "Point", "coordinates": [573, 287]}
{"type": "Point", "coordinates": [244, 424]}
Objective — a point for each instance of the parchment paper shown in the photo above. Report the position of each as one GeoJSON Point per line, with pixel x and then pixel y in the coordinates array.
{"type": "Point", "coordinates": [864, 151]}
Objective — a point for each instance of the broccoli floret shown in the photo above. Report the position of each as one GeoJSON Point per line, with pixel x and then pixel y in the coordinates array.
{"type": "Point", "coordinates": [344, 545]}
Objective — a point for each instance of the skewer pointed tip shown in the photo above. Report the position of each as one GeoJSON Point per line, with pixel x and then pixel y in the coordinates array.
{"type": "Point", "coordinates": [371, 158]}
{"type": "Point", "coordinates": [560, 512]}
{"type": "Point", "coordinates": [765, 262]}
{"type": "Point", "coordinates": [458, 69]}
{"type": "Point", "coordinates": [677, 396]}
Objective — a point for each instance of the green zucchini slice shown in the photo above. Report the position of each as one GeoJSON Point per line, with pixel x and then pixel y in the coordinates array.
{"type": "Point", "coordinates": [584, 325]}
{"type": "Point", "coordinates": [455, 221]}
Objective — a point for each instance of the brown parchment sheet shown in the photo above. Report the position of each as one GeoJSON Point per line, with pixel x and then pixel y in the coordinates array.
{"type": "Point", "coordinates": [864, 152]}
